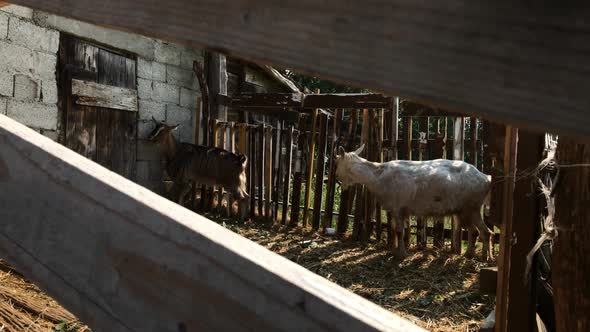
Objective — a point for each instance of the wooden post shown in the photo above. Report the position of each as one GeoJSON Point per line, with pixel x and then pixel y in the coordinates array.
{"type": "Point", "coordinates": [332, 170]}
{"type": "Point", "coordinates": [458, 146]}
{"type": "Point", "coordinates": [260, 157]}
{"type": "Point", "coordinates": [221, 132]}
{"type": "Point", "coordinates": [310, 167]}
{"type": "Point", "coordinates": [363, 211]}
{"type": "Point", "coordinates": [346, 195]}
{"type": "Point", "coordinates": [571, 259]}
{"type": "Point", "coordinates": [217, 82]}
{"type": "Point", "coordinates": [473, 146]}
{"type": "Point", "coordinates": [320, 171]}
{"type": "Point", "coordinates": [379, 151]}
{"type": "Point", "coordinates": [298, 176]}
{"type": "Point", "coordinates": [287, 180]}
{"type": "Point", "coordinates": [253, 171]}
{"type": "Point", "coordinates": [521, 297]}
{"type": "Point", "coordinates": [214, 141]}
{"type": "Point", "coordinates": [278, 174]}
{"type": "Point", "coordinates": [439, 152]}
{"type": "Point", "coordinates": [393, 141]}
{"type": "Point", "coordinates": [408, 156]}
{"type": "Point", "coordinates": [268, 172]}
{"type": "Point", "coordinates": [506, 239]}
{"type": "Point", "coordinates": [421, 222]}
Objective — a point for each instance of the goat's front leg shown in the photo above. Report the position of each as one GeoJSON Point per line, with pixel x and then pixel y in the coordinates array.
{"type": "Point", "coordinates": [400, 226]}
{"type": "Point", "coordinates": [472, 237]}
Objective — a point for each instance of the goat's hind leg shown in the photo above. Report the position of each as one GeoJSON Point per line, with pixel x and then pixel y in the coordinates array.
{"type": "Point", "coordinates": [400, 225]}
{"type": "Point", "coordinates": [485, 235]}
{"type": "Point", "coordinates": [472, 237]}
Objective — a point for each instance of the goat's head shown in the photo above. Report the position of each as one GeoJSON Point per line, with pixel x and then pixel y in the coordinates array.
{"type": "Point", "coordinates": [161, 132]}
{"type": "Point", "coordinates": [344, 162]}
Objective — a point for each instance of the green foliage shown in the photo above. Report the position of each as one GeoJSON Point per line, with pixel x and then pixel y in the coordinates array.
{"type": "Point", "coordinates": [313, 83]}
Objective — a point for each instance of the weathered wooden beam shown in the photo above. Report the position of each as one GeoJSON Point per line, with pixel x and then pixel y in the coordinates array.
{"type": "Point", "coordinates": [458, 154]}
{"type": "Point", "coordinates": [463, 67]}
{"type": "Point", "coordinates": [263, 100]}
{"type": "Point", "coordinates": [346, 100]}
{"type": "Point", "coordinates": [320, 171]}
{"type": "Point", "coordinates": [100, 95]}
{"type": "Point", "coordinates": [418, 109]}
{"type": "Point", "coordinates": [347, 195]}
{"type": "Point", "coordinates": [422, 222]}
{"type": "Point", "coordinates": [309, 169]}
{"type": "Point", "coordinates": [217, 82]}
{"type": "Point", "coordinates": [280, 114]}
{"type": "Point", "coordinates": [337, 123]}
{"type": "Point", "coordinates": [287, 181]}
{"type": "Point", "coordinates": [122, 258]}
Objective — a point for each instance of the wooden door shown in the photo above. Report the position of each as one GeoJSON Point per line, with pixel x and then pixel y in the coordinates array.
{"type": "Point", "coordinates": [99, 99]}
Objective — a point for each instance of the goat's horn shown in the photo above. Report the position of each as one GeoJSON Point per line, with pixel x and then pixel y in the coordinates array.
{"type": "Point", "coordinates": [359, 150]}
{"type": "Point", "coordinates": [341, 151]}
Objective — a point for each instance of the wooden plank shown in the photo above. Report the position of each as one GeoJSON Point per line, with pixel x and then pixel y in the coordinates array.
{"type": "Point", "coordinates": [458, 153]}
{"type": "Point", "coordinates": [378, 126]}
{"type": "Point", "coordinates": [422, 222]}
{"type": "Point", "coordinates": [346, 196]}
{"type": "Point", "coordinates": [570, 264]}
{"type": "Point", "coordinates": [260, 159]}
{"type": "Point", "coordinates": [198, 68]}
{"type": "Point", "coordinates": [320, 171]}
{"type": "Point", "coordinates": [217, 83]}
{"type": "Point", "coordinates": [506, 239]}
{"type": "Point", "coordinates": [263, 100]}
{"type": "Point", "coordinates": [122, 258]}
{"type": "Point", "coordinates": [309, 170]}
{"type": "Point", "coordinates": [346, 100]}
{"type": "Point", "coordinates": [287, 180]}
{"type": "Point", "coordinates": [278, 169]}
{"type": "Point", "coordinates": [440, 152]}
{"type": "Point", "coordinates": [337, 123]}
{"type": "Point", "coordinates": [407, 155]}
{"type": "Point", "coordinates": [99, 95]}
{"type": "Point", "coordinates": [268, 172]}
{"type": "Point", "coordinates": [473, 151]}
{"type": "Point", "coordinates": [415, 62]}
{"type": "Point", "coordinates": [253, 171]}
{"type": "Point", "coordinates": [521, 301]}
{"type": "Point", "coordinates": [364, 200]}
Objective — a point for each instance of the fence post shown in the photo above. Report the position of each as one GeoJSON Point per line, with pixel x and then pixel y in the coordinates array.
{"type": "Point", "coordinates": [260, 157]}
{"type": "Point", "coordinates": [320, 170]}
{"type": "Point", "coordinates": [439, 152]}
{"type": "Point", "coordinates": [408, 156]}
{"type": "Point", "coordinates": [347, 196]}
{"type": "Point", "coordinates": [421, 222]}
{"type": "Point", "coordinates": [458, 147]}
{"type": "Point", "coordinates": [337, 122]}
{"type": "Point", "coordinates": [287, 180]}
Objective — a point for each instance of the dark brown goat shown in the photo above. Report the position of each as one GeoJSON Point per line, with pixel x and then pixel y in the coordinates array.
{"type": "Point", "coordinates": [187, 162]}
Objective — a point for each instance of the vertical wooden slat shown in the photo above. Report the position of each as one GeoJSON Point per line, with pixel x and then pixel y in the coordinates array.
{"type": "Point", "coordinates": [439, 152]}
{"type": "Point", "coordinates": [253, 171]}
{"type": "Point", "coordinates": [198, 115]}
{"type": "Point", "coordinates": [473, 143]}
{"type": "Point", "coordinates": [287, 180]}
{"type": "Point", "coordinates": [268, 171]}
{"type": "Point", "coordinates": [337, 122]}
{"type": "Point", "coordinates": [309, 169]}
{"type": "Point", "coordinates": [521, 301]}
{"type": "Point", "coordinates": [502, 289]}
{"type": "Point", "coordinates": [260, 157]}
{"type": "Point", "coordinates": [379, 126]}
{"type": "Point", "coordinates": [299, 170]}
{"type": "Point", "coordinates": [278, 175]}
{"type": "Point", "coordinates": [232, 149]}
{"type": "Point", "coordinates": [408, 133]}
{"type": "Point", "coordinates": [393, 141]}
{"type": "Point", "coordinates": [214, 142]}
{"type": "Point", "coordinates": [346, 195]}
{"type": "Point", "coordinates": [421, 222]}
{"type": "Point", "coordinates": [458, 153]}
{"type": "Point", "coordinates": [362, 212]}
{"type": "Point", "coordinates": [221, 143]}
{"type": "Point", "coordinates": [320, 171]}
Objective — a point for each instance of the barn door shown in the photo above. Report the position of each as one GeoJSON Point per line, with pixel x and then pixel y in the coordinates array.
{"type": "Point", "coordinates": [99, 98]}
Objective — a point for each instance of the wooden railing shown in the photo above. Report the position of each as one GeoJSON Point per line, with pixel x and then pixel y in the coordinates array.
{"type": "Point", "coordinates": [125, 259]}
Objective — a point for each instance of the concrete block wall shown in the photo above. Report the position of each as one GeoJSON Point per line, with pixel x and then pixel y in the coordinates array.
{"type": "Point", "coordinates": [167, 86]}
{"type": "Point", "coordinates": [28, 62]}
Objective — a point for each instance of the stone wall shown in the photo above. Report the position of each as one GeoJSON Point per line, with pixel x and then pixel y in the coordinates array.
{"type": "Point", "coordinates": [167, 87]}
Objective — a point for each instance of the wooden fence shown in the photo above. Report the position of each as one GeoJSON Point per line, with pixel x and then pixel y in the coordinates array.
{"type": "Point", "coordinates": [291, 169]}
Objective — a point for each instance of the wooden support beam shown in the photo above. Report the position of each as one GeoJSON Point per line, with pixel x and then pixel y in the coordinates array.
{"type": "Point", "coordinates": [422, 222]}
{"type": "Point", "coordinates": [378, 126]}
{"type": "Point", "coordinates": [458, 154]}
{"type": "Point", "coordinates": [278, 169]}
{"type": "Point", "coordinates": [439, 152]}
{"type": "Point", "coordinates": [346, 100]}
{"type": "Point", "coordinates": [331, 186]}
{"type": "Point", "coordinates": [473, 151]}
{"type": "Point", "coordinates": [506, 239]}
{"type": "Point", "coordinates": [253, 171]}
{"type": "Point", "coordinates": [268, 171]}
{"type": "Point", "coordinates": [320, 171]}
{"type": "Point", "coordinates": [297, 176]}
{"type": "Point", "coordinates": [407, 155]}
{"type": "Point", "coordinates": [260, 168]}
{"type": "Point", "coordinates": [217, 82]}
{"type": "Point", "coordinates": [287, 180]}
{"type": "Point", "coordinates": [418, 109]}
{"type": "Point", "coordinates": [122, 258]}
{"type": "Point", "coordinates": [364, 200]}
{"type": "Point", "coordinates": [542, 86]}
{"type": "Point", "coordinates": [521, 297]}
{"type": "Point", "coordinates": [309, 170]}
{"type": "Point", "coordinates": [262, 100]}
{"type": "Point", "coordinates": [571, 261]}
{"type": "Point", "coordinates": [347, 195]}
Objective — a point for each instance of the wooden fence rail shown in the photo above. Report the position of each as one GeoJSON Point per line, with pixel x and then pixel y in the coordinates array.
{"type": "Point", "coordinates": [122, 258]}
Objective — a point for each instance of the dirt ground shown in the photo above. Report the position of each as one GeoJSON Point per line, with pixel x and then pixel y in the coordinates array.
{"type": "Point", "coordinates": [432, 288]}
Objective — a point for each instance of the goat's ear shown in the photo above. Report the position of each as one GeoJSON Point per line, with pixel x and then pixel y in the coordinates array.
{"type": "Point", "coordinates": [341, 151]}
{"type": "Point", "coordinates": [243, 159]}
{"type": "Point", "coordinates": [174, 127]}
{"type": "Point", "coordinates": [359, 150]}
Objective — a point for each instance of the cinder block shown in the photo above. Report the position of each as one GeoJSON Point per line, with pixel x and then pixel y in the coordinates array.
{"type": "Point", "coordinates": [181, 77]}
{"type": "Point", "coordinates": [15, 57]}
{"type": "Point", "coordinates": [167, 53]}
{"type": "Point", "coordinates": [20, 11]}
{"type": "Point", "coordinates": [44, 65]}
{"type": "Point", "coordinates": [26, 88]}
{"type": "Point", "coordinates": [6, 83]}
{"type": "Point", "coordinates": [147, 150]}
{"type": "Point", "coordinates": [148, 108]}
{"type": "Point", "coordinates": [178, 115]}
{"type": "Point", "coordinates": [52, 134]}
{"type": "Point", "coordinates": [158, 72]}
{"type": "Point", "coordinates": [166, 93]}
{"type": "Point", "coordinates": [3, 105]}
{"type": "Point", "coordinates": [36, 38]}
{"type": "Point", "coordinates": [144, 68]}
{"type": "Point", "coordinates": [144, 128]}
{"type": "Point", "coordinates": [188, 56]}
{"type": "Point", "coordinates": [144, 88]}
{"type": "Point", "coordinates": [3, 26]}
{"type": "Point", "coordinates": [188, 98]}
{"type": "Point", "coordinates": [36, 115]}
{"type": "Point", "coordinates": [49, 91]}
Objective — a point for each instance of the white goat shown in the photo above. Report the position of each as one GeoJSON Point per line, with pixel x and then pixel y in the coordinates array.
{"type": "Point", "coordinates": [422, 188]}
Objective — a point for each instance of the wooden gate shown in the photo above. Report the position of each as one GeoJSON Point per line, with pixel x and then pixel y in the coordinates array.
{"type": "Point", "coordinates": [99, 104]}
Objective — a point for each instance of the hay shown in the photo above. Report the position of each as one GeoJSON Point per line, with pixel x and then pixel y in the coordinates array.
{"type": "Point", "coordinates": [434, 289]}
{"type": "Point", "coordinates": [23, 307]}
